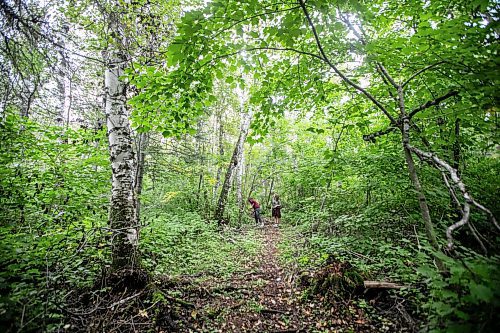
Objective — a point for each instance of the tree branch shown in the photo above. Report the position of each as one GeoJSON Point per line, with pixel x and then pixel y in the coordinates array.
{"type": "Point", "coordinates": [251, 17]}
{"type": "Point", "coordinates": [433, 102]}
{"type": "Point", "coordinates": [457, 203]}
{"type": "Point", "coordinates": [337, 71]}
{"type": "Point", "coordinates": [260, 49]}
{"type": "Point", "coordinates": [468, 199]}
{"type": "Point", "coordinates": [371, 137]}
{"type": "Point", "coordinates": [421, 71]}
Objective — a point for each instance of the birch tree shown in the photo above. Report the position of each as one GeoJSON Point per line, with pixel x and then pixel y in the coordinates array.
{"type": "Point", "coordinates": [233, 164]}
{"type": "Point", "coordinates": [122, 214]}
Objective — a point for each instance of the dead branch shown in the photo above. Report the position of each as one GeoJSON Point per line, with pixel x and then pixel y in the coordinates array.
{"type": "Point", "coordinates": [125, 300]}
{"type": "Point", "coordinates": [435, 161]}
{"type": "Point", "coordinates": [382, 285]}
{"type": "Point", "coordinates": [457, 203]}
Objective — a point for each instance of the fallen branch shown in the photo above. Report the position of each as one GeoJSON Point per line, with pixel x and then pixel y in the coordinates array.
{"type": "Point", "coordinates": [125, 300]}
{"type": "Point", "coordinates": [382, 285]}
{"type": "Point", "coordinates": [358, 254]}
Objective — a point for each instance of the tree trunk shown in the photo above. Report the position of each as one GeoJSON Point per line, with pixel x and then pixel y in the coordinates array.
{"type": "Point", "coordinates": [221, 205]}
{"type": "Point", "coordinates": [239, 187]}
{"type": "Point", "coordinates": [141, 145]}
{"type": "Point", "coordinates": [122, 213]}
{"type": "Point", "coordinates": [221, 155]}
{"type": "Point", "coordinates": [64, 83]}
{"type": "Point", "coordinates": [268, 202]}
{"type": "Point", "coordinates": [424, 208]}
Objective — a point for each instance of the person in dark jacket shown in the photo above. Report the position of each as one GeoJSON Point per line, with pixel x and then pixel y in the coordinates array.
{"type": "Point", "coordinates": [276, 212]}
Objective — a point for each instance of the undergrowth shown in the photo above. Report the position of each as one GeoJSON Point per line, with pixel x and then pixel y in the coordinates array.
{"type": "Point", "coordinates": [179, 243]}
{"type": "Point", "coordinates": [463, 299]}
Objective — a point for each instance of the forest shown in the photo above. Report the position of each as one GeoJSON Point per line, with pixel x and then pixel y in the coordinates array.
{"type": "Point", "coordinates": [249, 166]}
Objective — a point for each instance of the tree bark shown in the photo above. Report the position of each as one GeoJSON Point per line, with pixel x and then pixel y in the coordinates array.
{"type": "Point", "coordinates": [122, 214]}
{"type": "Point", "coordinates": [268, 202]}
{"type": "Point", "coordinates": [221, 205]}
{"type": "Point", "coordinates": [239, 187]}
{"type": "Point", "coordinates": [141, 145]}
{"type": "Point", "coordinates": [221, 155]}
{"type": "Point", "coordinates": [64, 83]}
{"type": "Point", "coordinates": [422, 201]}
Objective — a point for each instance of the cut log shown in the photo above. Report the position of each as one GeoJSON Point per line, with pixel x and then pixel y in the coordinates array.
{"type": "Point", "coordinates": [382, 285]}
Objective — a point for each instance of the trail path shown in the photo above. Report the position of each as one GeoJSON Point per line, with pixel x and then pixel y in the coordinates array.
{"type": "Point", "coordinates": [266, 298]}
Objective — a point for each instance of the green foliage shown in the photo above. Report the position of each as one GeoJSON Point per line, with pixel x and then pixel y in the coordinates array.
{"type": "Point", "coordinates": [53, 197]}
{"type": "Point", "coordinates": [183, 243]}
{"type": "Point", "coordinates": [369, 216]}
{"type": "Point", "coordinates": [467, 298]}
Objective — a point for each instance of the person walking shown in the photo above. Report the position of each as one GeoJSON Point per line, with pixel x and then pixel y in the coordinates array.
{"type": "Point", "coordinates": [256, 211]}
{"type": "Point", "coordinates": [276, 209]}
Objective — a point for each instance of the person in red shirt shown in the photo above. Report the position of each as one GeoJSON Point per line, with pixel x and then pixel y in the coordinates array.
{"type": "Point", "coordinates": [256, 211]}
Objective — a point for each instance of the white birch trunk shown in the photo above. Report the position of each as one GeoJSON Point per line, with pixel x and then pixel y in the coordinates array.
{"type": "Point", "coordinates": [122, 214]}
{"type": "Point", "coordinates": [221, 155]}
{"type": "Point", "coordinates": [235, 159]}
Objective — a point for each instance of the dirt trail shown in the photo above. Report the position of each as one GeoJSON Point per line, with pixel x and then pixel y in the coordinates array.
{"type": "Point", "coordinates": [262, 297]}
{"type": "Point", "coordinates": [265, 298]}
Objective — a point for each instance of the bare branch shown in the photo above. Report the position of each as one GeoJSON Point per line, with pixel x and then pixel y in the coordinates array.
{"type": "Point", "coordinates": [458, 204]}
{"type": "Point", "coordinates": [463, 221]}
{"type": "Point", "coordinates": [433, 102]}
{"type": "Point", "coordinates": [468, 199]}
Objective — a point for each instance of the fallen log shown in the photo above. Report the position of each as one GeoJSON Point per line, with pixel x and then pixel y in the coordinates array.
{"type": "Point", "coordinates": [382, 285]}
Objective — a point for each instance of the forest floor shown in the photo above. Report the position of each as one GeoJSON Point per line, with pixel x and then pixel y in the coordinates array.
{"type": "Point", "coordinates": [266, 297]}
{"type": "Point", "coordinates": [263, 296]}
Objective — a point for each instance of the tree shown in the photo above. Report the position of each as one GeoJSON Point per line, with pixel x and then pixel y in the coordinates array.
{"type": "Point", "coordinates": [122, 215]}
{"type": "Point", "coordinates": [233, 164]}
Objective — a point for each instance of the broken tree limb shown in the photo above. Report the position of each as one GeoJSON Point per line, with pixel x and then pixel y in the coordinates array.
{"type": "Point", "coordinates": [432, 103]}
{"type": "Point", "coordinates": [382, 285]}
{"type": "Point", "coordinates": [125, 300]}
{"type": "Point", "coordinates": [458, 204]}
{"type": "Point", "coordinates": [441, 165]}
